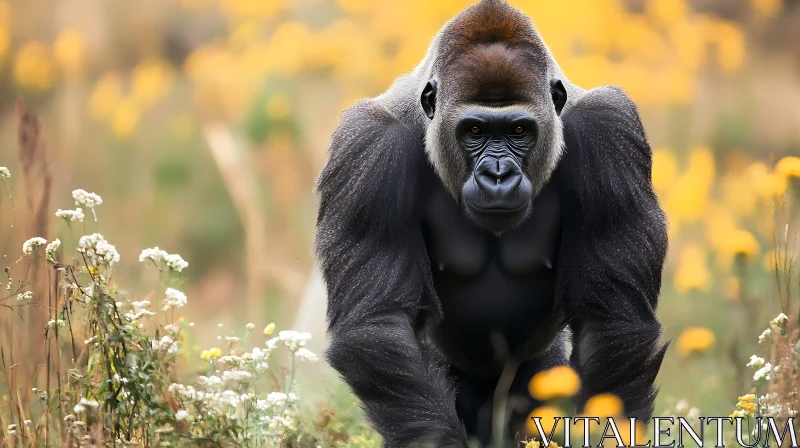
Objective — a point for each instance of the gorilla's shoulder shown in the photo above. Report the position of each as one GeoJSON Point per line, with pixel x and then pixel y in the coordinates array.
{"type": "Point", "coordinates": [374, 163]}
{"type": "Point", "coordinates": [607, 163]}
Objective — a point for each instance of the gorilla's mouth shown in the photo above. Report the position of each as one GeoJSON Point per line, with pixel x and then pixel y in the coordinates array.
{"type": "Point", "coordinates": [498, 218]}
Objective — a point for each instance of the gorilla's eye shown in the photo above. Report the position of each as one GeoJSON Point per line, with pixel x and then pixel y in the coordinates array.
{"type": "Point", "coordinates": [475, 130]}
{"type": "Point", "coordinates": [519, 130]}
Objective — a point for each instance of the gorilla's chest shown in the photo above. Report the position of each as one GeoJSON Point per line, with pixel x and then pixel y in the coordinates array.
{"type": "Point", "coordinates": [489, 284]}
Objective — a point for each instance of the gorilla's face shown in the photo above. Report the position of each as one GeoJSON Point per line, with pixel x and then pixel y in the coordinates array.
{"type": "Point", "coordinates": [497, 143]}
{"type": "Point", "coordinates": [495, 159]}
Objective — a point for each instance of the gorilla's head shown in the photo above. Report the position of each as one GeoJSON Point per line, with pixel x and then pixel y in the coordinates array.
{"type": "Point", "coordinates": [495, 135]}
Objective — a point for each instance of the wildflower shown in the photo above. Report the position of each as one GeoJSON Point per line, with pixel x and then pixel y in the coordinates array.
{"type": "Point", "coordinates": [294, 339]}
{"type": "Point", "coordinates": [4, 172]}
{"type": "Point", "coordinates": [158, 256]}
{"type": "Point", "coordinates": [763, 373]}
{"type": "Point", "coordinates": [765, 335]}
{"type": "Point", "coordinates": [269, 329]}
{"type": "Point", "coordinates": [235, 376]}
{"type": "Point", "coordinates": [59, 323]}
{"type": "Point", "coordinates": [547, 418]}
{"type": "Point", "coordinates": [787, 167]}
{"type": "Point", "coordinates": [277, 399]}
{"type": "Point", "coordinates": [272, 343]}
{"type": "Point", "coordinates": [250, 326]}
{"type": "Point", "coordinates": [25, 297]}
{"type": "Point", "coordinates": [305, 354]}
{"type": "Point", "coordinates": [746, 405]}
{"type": "Point", "coordinates": [779, 321]}
{"type": "Point", "coordinates": [755, 361]}
{"type": "Point", "coordinates": [181, 415]}
{"type": "Point", "coordinates": [743, 243]}
{"type": "Point", "coordinates": [71, 215]}
{"type": "Point", "coordinates": [166, 343]}
{"type": "Point", "coordinates": [210, 353]}
{"type": "Point", "coordinates": [95, 246]}
{"type": "Point", "coordinates": [86, 199]}
{"type": "Point", "coordinates": [696, 339]}
{"type": "Point", "coordinates": [738, 413]}
{"type": "Point", "coordinates": [50, 250]}
{"type": "Point", "coordinates": [533, 444]}
{"type": "Point", "coordinates": [603, 405]}
{"type": "Point", "coordinates": [138, 309]}
{"type": "Point", "coordinates": [29, 246]}
{"type": "Point", "coordinates": [174, 298]}
{"type": "Point", "coordinates": [561, 381]}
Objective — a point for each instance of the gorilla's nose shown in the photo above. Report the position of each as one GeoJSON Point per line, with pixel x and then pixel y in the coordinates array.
{"type": "Point", "coordinates": [498, 177]}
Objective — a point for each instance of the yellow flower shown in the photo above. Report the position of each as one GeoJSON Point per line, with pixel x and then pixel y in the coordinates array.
{"type": "Point", "coordinates": [696, 339]}
{"type": "Point", "coordinates": [269, 329]}
{"type": "Point", "coordinates": [105, 96]}
{"type": "Point", "coordinates": [559, 381]}
{"type": "Point", "coordinates": [747, 398]}
{"type": "Point", "coordinates": [210, 353]}
{"type": "Point", "coordinates": [692, 272]}
{"type": "Point", "coordinates": [603, 405]}
{"type": "Point", "coordinates": [33, 67]}
{"type": "Point", "coordinates": [533, 444]}
{"type": "Point", "coordinates": [788, 167]}
{"type": "Point", "coordinates": [665, 167]}
{"type": "Point", "coordinates": [744, 243]}
{"type": "Point", "coordinates": [5, 40]}
{"type": "Point", "coordinates": [150, 82]}
{"type": "Point", "coordinates": [766, 8]}
{"type": "Point", "coordinates": [69, 51]}
{"type": "Point", "coordinates": [93, 270]}
{"type": "Point", "coordinates": [547, 418]}
{"type": "Point", "coordinates": [126, 118]}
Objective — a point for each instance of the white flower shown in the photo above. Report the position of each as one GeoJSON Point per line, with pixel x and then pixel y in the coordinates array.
{"type": "Point", "coordinates": [50, 250]}
{"type": "Point", "coordinates": [294, 339]}
{"type": "Point", "coordinates": [79, 409]}
{"type": "Point", "coordinates": [25, 297]}
{"type": "Point", "coordinates": [171, 328]}
{"type": "Point", "coordinates": [765, 335]}
{"type": "Point", "coordinates": [235, 376]}
{"type": "Point", "coordinates": [29, 246]}
{"type": "Point", "coordinates": [159, 256]}
{"type": "Point", "coordinates": [86, 199]}
{"type": "Point", "coordinates": [250, 326]}
{"type": "Point", "coordinates": [755, 361]}
{"type": "Point", "coordinates": [181, 415]}
{"type": "Point", "coordinates": [71, 215]}
{"type": "Point", "coordinates": [304, 354]}
{"type": "Point", "coordinates": [763, 372]}
{"type": "Point", "coordinates": [232, 339]}
{"type": "Point", "coordinates": [779, 321]}
{"type": "Point", "coordinates": [139, 309]}
{"type": "Point", "coordinates": [277, 399]}
{"type": "Point", "coordinates": [4, 172]}
{"type": "Point", "coordinates": [60, 323]}
{"type": "Point", "coordinates": [96, 247]}
{"type": "Point", "coordinates": [176, 263]}
{"type": "Point", "coordinates": [174, 298]}
{"type": "Point", "coordinates": [166, 343]}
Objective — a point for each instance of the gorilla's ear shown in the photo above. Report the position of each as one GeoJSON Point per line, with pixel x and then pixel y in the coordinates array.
{"type": "Point", "coordinates": [559, 94]}
{"type": "Point", "coordinates": [428, 99]}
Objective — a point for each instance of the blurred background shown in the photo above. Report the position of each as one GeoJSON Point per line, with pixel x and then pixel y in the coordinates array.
{"type": "Point", "coordinates": [203, 123]}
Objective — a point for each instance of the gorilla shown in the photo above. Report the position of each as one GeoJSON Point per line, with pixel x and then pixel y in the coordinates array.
{"type": "Point", "coordinates": [483, 220]}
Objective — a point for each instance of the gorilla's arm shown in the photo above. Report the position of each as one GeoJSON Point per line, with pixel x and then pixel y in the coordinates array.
{"type": "Point", "coordinates": [375, 266]}
{"type": "Point", "coordinates": [612, 250]}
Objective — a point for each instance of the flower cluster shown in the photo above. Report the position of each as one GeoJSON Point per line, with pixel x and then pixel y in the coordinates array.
{"type": "Point", "coordinates": [161, 258]}
{"type": "Point", "coordinates": [25, 297]}
{"type": "Point", "coordinates": [71, 215]}
{"type": "Point", "coordinates": [293, 340]}
{"type": "Point", "coordinates": [175, 299]}
{"type": "Point", "coordinates": [50, 250]}
{"type": "Point", "coordinates": [4, 172]}
{"type": "Point", "coordinates": [98, 250]}
{"type": "Point", "coordinates": [87, 200]}
{"type": "Point", "coordinates": [28, 247]}
{"type": "Point", "coordinates": [138, 310]}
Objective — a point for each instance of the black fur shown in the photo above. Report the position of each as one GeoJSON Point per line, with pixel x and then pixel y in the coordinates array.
{"type": "Point", "coordinates": [419, 295]}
